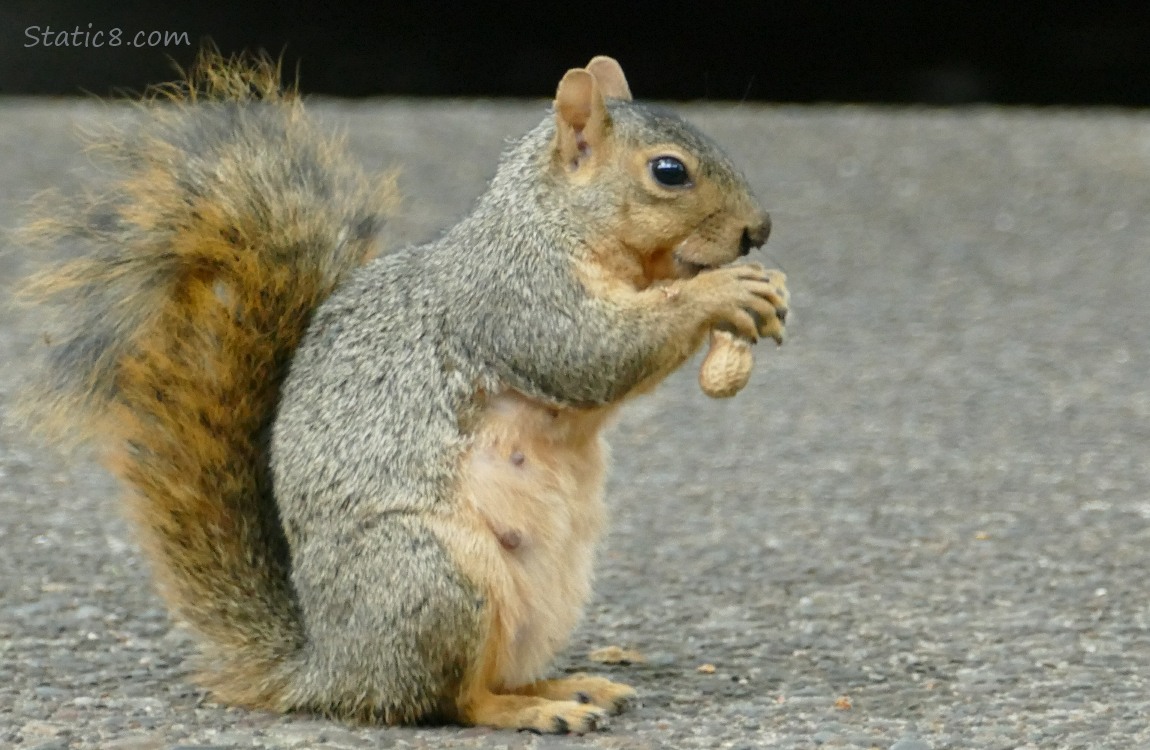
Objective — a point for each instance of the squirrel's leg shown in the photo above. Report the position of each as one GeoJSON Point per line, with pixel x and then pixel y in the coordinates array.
{"type": "Point", "coordinates": [482, 702]}
{"type": "Point", "coordinates": [583, 688]}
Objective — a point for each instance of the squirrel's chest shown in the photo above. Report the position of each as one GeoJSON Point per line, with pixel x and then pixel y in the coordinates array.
{"type": "Point", "coordinates": [533, 479]}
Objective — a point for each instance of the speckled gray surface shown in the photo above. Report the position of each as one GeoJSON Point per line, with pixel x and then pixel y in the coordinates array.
{"type": "Point", "coordinates": [925, 524]}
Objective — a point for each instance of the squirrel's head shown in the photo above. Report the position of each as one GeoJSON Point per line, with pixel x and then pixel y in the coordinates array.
{"type": "Point", "coordinates": [648, 179]}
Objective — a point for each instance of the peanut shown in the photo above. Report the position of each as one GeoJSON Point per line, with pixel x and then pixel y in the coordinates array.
{"type": "Point", "coordinates": [727, 366]}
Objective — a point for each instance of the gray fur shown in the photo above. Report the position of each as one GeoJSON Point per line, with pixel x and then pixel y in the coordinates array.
{"type": "Point", "coordinates": [376, 409]}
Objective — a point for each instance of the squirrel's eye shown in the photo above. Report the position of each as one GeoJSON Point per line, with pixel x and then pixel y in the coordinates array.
{"type": "Point", "coordinates": [669, 171]}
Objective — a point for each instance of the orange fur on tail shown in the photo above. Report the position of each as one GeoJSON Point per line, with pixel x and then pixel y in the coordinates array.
{"type": "Point", "coordinates": [205, 255]}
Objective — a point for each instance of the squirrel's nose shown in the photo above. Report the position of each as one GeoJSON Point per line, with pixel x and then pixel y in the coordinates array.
{"type": "Point", "coordinates": [756, 235]}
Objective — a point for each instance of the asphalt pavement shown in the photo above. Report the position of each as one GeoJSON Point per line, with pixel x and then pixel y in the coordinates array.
{"type": "Point", "coordinates": [925, 524]}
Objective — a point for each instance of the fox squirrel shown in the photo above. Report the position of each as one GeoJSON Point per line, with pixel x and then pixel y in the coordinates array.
{"type": "Point", "coordinates": [373, 485]}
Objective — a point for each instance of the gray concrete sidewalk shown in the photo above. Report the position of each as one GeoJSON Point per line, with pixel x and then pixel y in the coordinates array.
{"type": "Point", "coordinates": [925, 524]}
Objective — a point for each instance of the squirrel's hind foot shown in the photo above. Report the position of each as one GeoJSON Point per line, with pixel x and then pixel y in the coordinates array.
{"type": "Point", "coordinates": [534, 714]}
{"type": "Point", "coordinates": [613, 697]}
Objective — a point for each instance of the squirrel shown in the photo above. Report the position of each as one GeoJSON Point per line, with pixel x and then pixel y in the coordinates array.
{"type": "Point", "coordinates": [371, 483]}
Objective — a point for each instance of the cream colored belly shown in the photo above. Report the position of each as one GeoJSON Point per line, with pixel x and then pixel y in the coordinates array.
{"type": "Point", "coordinates": [534, 478]}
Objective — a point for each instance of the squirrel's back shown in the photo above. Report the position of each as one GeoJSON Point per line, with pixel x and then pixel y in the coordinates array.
{"type": "Point", "coordinates": [227, 219]}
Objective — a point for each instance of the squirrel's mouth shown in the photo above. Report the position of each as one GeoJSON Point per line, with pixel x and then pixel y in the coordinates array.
{"type": "Point", "coordinates": [687, 269]}
{"type": "Point", "coordinates": [695, 254]}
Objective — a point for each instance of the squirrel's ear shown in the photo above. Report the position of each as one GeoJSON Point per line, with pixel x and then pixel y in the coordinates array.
{"type": "Point", "coordinates": [610, 78]}
{"type": "Point", "coordinates": [581, 119]}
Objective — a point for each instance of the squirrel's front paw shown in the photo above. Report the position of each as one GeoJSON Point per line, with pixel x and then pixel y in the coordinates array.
{"type": "Point", "coordinates": [727, 366]}
{"type": "Point", "coordinates": [775, 326]}
{"type": "Point", "coordinates": [744, 299]}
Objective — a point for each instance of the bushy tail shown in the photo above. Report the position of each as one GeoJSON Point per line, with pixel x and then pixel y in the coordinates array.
{"type": "Point", "coordinates": [228, 218]}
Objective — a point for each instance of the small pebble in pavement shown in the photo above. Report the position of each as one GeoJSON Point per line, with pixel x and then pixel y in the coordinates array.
{"type": "Point", "coordinates": [910, 744]}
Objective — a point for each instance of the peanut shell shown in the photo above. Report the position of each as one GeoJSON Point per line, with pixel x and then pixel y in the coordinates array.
{"type": "Point", "coordinates": [727, 366]}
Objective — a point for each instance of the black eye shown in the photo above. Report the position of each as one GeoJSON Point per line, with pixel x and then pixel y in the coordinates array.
{"type": "Point", "coordinates": [669, 171]}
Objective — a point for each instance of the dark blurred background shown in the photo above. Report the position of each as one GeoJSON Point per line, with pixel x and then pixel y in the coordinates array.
{"type": "Point", "coordinates": [792, 51]}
